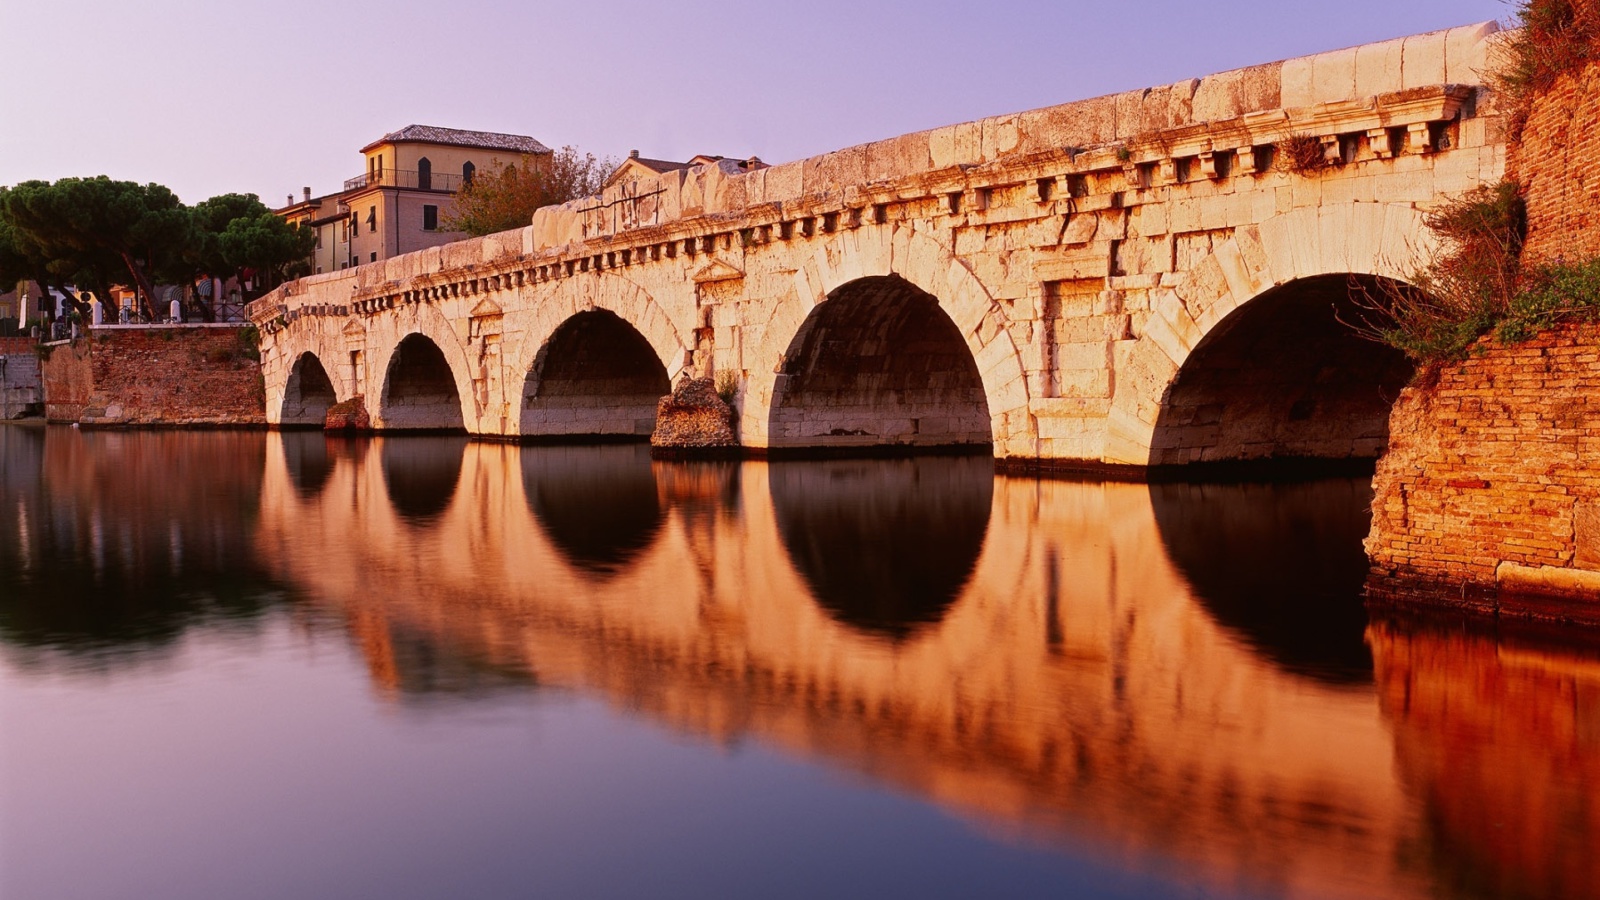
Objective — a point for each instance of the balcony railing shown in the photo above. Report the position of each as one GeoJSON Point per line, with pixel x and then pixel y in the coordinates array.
{"type": "Point", "coordinates": [406, 178]}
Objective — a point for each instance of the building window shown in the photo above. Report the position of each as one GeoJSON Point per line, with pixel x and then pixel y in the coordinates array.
{"type": "Point", "coordinates": [466, 173]}
{"type": "Point", "coordinates": [374, 256]}
{"type": "Point", "coordinates": [372, 219]}
{"type": "Point", "coordinates": [430, 218]}
{"type": "Point", "coordinates": [425, 174]}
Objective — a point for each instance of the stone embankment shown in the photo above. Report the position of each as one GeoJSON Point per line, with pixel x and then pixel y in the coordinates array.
{"type": "Point", "coordinates": [177, 375]}
{"type": "Point", "coordinates": [1488, 498]}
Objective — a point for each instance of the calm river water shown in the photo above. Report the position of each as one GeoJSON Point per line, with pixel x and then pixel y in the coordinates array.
{"type": "Point", "coordinates": [247, 665]}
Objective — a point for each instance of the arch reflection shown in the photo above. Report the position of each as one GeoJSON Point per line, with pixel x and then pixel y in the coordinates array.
{"type": "Point", "coordinates": [310, 465]}
{"type": "Point", "coordinates": [597, 504]}
{"type": "Point", "coordinates": [885, 546]}
{"type": "Point", "coordinates": [1282, 565]}
{"type": "Point", "coordinates": [421, 474]}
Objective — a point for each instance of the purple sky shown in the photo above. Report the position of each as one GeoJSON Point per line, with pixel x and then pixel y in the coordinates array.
{"type": "Point", "coordinates": [210, 96]}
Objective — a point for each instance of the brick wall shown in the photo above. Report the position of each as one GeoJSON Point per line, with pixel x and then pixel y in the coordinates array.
{"type": "Point", "coordinates": [1490, 474]}
{"type": "Point", "coordinates": [1557, 158]}
{"type": "Point", "coordinates": [155, 376]}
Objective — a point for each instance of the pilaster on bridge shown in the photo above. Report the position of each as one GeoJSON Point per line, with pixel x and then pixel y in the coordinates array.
{"type": "Point", "coordinates": [1158, 277]}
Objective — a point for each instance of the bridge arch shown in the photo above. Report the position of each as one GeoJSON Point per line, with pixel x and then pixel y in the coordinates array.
{"type": "Point", "coordinates": [561, 329]}
{"type": "Point", "coordinates": [307, 393]}
{"type": "Point", "coordinates": [1247, 357]}
{"type": "Point", "coordinates": [420, 389]}
{"type": "Point", "coordinates": [596, 376]}
{"type": "Point", "coordinates": [910, 274]}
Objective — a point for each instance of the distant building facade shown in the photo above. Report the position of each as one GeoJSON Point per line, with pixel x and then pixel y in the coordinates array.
{"type": "Point", "coordinates": [398, 204]}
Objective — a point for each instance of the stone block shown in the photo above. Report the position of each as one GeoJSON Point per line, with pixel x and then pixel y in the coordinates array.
{"type": "Point", "coordinates": [1466, 54]}
{"type": "Point", "coordinates": [1424, 60]}
{"type": "Point", "coordinates": [1379, 68]}
{"type": "Point", "coordinates": [1298, 83]}
{"type": "Point", "coordinates": [1000, 137]}
{"type": "Point", "coordinates": [955, 145]}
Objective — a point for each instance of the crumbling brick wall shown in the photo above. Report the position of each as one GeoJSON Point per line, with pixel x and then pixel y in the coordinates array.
{"type": "Point", "coordinates": [1557, 159]}
{"type": "Point", "coordinates": [1491, 461]}
{"type": "Point", "coordinates": [156, 376]}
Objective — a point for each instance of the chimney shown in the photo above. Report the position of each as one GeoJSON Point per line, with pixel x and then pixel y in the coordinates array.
{"type": "Point", "coordinates": [633, 154]}
{"type": "Point", "coordinates": [308, 193]}
{"type": "Point", "coordinates": [291, 200]}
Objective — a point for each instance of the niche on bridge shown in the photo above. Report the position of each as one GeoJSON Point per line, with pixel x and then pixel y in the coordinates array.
{"type": "Point", "coordinates": [879, 364]}
{"type": "Point", "coordinates": [886, 546]}
{"type": "Point", "coordinates": [598, 505]}
{"type": "Point", "coordinates": [308, 394]}
{"type": "Point", "coordinates": [421, 474]}
{"type": "Point", "coordinates": [596, 377]}
{"type": "Point", "coordinates": [1280, 565]}
{"type": "Point", "coordinates": [1285, 377]}
{"type": "Point", "coordinates": [419, 390]}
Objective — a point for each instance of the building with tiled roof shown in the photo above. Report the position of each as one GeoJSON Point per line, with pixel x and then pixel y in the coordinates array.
{"type": "Point", "coordinates": [460, 137]}
{"type": "Point", "coordinates": [635, 166]}
{"type": "Point", "coordinates": [397, 205]}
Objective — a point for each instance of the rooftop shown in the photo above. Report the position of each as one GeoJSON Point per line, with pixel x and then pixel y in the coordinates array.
{"type": "Point", "coordinates": [459, 137]}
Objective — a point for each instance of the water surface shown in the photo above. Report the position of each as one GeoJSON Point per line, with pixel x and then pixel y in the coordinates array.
{"type": "Point", "coordinates": [247, 665]}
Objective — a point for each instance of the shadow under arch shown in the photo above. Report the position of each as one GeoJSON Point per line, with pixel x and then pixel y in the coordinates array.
{"type": "Point", "coordinates": [307, 394]}
{"type": "Point", "coordinates": [886, 546]}
{"type": "Point", "coordinates": [1279, 564]}
{"type": "Point", "coordinates": [419, 390]}
{"type": "Point", "coordinates": [598, 505]}
{"type": "Point", "coordinates": [878, 364]}
{"type": "Point", "coordinates": [596, 376]}
{"type": "Point", "coordinates": [1286, 378]}
{"type": "Point", "coordinates": [421, 474]}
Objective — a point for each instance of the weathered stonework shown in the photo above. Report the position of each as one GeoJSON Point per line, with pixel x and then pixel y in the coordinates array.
{"type": "Point", "coordinates": [349, 415]}
{"type": "Point", "coordinates": [1038, 281]}
{"type": "Point", "coordinates": [1488, 496]}
{"type": "Point", "coordinates": [693, 417]}
{"type": "Point", "coordinates": [157, 375]}
{"type": "Point", "coordinates": [20, 387]}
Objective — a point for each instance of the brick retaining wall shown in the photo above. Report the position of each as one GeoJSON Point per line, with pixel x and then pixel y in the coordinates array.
{"type": "Point", "coordinates": [1488, 497]}
{"type": "Point", "coordinates": [178, 375]}
{"type": "Point", "coordinates": [1557, 159]}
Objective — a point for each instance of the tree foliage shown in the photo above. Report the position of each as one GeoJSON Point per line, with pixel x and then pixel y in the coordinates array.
{"type": "Point", "coordinates": [93, 233]}
{"type": "Point", "coordinates": [506, 198]}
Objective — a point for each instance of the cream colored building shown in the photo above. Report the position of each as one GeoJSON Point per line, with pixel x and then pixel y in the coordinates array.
{"type": "Point", "coordinates": [396, 205]}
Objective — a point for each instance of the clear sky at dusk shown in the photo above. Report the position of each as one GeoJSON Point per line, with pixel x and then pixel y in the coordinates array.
{"type": "Point", "coordinates": [208, 96]}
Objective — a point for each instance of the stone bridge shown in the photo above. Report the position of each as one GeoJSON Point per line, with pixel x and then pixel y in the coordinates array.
{"type": "Point", "coordinates": [1150, 278]}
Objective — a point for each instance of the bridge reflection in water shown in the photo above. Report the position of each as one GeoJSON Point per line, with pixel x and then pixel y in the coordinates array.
{"type": "Point", "coordinates": [1173, 671]}
{"type": "Point", "coordinates": [1172, 675]}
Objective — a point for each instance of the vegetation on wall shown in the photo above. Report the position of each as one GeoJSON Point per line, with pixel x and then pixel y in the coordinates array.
{"type": "Point", "coordinates": [1479, 283]}
{"type": "Point", "coordinates": [507, 197]}
{"type": "Point", "coordinates": [1556, 37]}
{"type": "Point", "coordinates": [1302, 153]}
